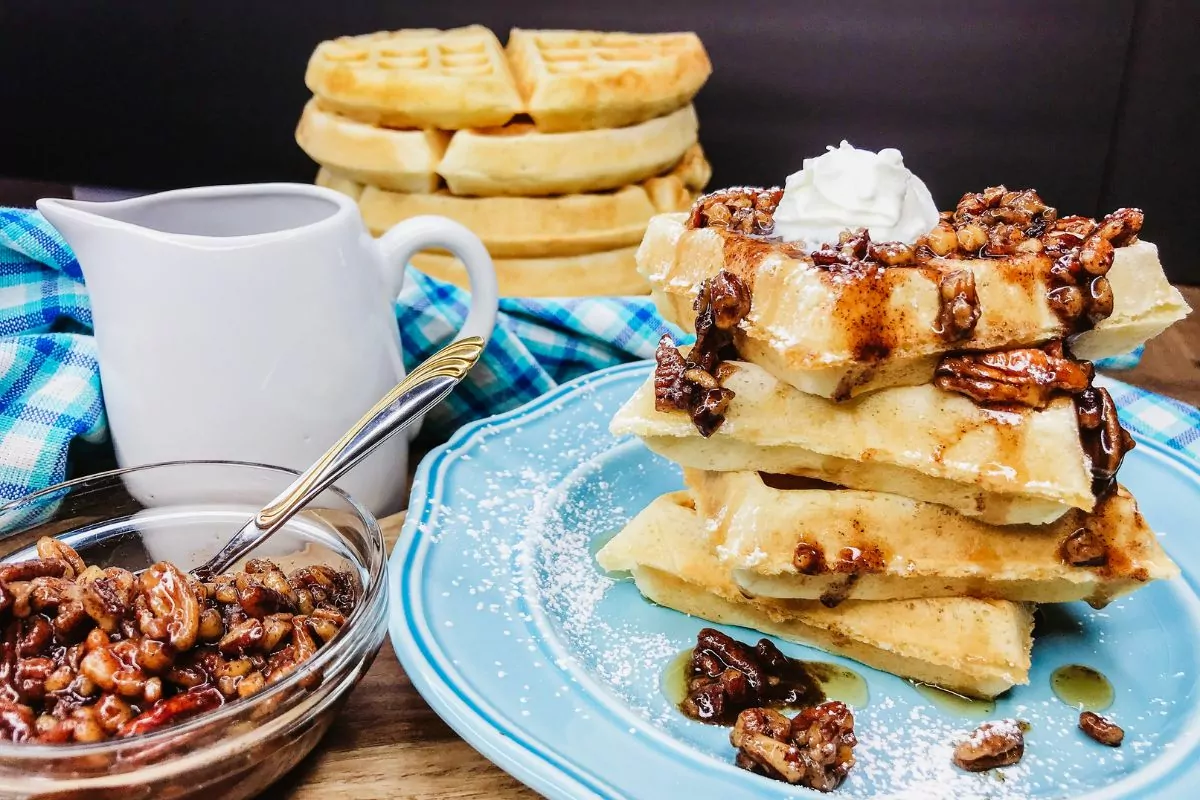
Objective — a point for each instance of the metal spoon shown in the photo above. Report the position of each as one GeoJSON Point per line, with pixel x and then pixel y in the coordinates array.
{"type": "Point", "coordinates": [424, 387]}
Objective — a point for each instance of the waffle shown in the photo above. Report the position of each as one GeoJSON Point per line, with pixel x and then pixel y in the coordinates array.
{"type": "Point", "coordinates": [975, 647]}
{"type": "Point", "coordinates": [924, 550]}
{"type": "Point", "coordinates": [611, 273]}
{"type": "Point", "coordinates": [403, 161]}
{"type": "Point", "coordinates": [811, 328]}
{"type": "Point", "coordinates": [576, 80]}
{"type": "Point", "coordinates": [536, 227]}
{"type": "Point", "coordinates": [517, 159]}
{"type": "Point", "coordinates": [461, 78]}
{"type": "Point", "coordinates": [347, 186]}
{"type": "Point", "coordinates": [419, 78]}
{"type": "Point", "coordinates": [1011, 467]}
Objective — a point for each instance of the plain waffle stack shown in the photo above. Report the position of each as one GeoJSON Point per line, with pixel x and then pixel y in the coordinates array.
{"type": "Point", "coordinates": [892, 451]}
{"type": "Point", "coordinates": [557, 149]}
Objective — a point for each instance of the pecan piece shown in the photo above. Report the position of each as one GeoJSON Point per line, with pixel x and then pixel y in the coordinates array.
{"type": "Point", "coordinates": [1105, 442]}
{"type": "Point", "coordinates": [992, 744]}
{"type": "Point", "coordinates": [816, 751]}
{"type": "Point", "coordinates": [171, 599]}
{"type": "Point", "coordinates": [37, 568]}
{"type": "Point", "coordinates": [1084, 548]}
{"type": "Point", "coordinates": [671, 391]}
{"type": "Point", "coordinates": [53, 548]}
{"type": "Point", "coordinates": [959, 309]}
{"type": "Point", "coordinates": [1024, 376]}
{"type": "Point", "coordinates": [1103, 730]}
{"type": "Point", "coordinates": [808, 558]}
{"type": "Point", "coordinates": [16, 721]}
{"type": "Point", "coordinates": [109, 597]}
{"type": "Point", "coordinates": [173, 710]}
{"type": "Point", "coordinates": [741, 210]}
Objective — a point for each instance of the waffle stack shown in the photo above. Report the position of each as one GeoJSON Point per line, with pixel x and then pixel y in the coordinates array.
{"type": "Point", "coordinates": [895, 463]}
{"type": "Point", "coordinates": [556, 149]}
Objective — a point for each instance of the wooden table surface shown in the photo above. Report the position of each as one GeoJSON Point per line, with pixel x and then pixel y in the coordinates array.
{"type": "Point", "coordinates": [388, 743]}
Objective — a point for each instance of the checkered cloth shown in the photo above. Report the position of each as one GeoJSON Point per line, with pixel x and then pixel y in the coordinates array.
{"type": "Point", "coordinates": [50, 385]}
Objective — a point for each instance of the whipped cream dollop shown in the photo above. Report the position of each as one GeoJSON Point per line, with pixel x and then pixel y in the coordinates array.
{"type": "Point", "coordinates": [846, 189]}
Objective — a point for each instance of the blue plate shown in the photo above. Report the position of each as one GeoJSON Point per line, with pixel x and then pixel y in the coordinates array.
{"type": "Point", "coordinates": [554, 670]}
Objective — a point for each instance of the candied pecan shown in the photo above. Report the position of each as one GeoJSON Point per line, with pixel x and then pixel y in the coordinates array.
{"type": "Point", "coordinates": [959, 305]}
{"type": "Point", "coordinates": [858, 560]}
{"type": "Point", "coordinates": [245, 636]}
{"type": "Point", "coordinates": [16, 721]}
{"type": "Point", "coordinates": [972, 237]}
{"type": "Point", "coordinates": [1067, 301]}
{"type": "Point", "coordinates": [742, 210]}
{"type": "Point", "coordinates": [671, 391]}
{"type": "Point", "coordinates": [1122, 226]}
{"type": "Point", "coordinates": [816, 749]}
{"type": "Point", "coordinates": [708, 413]}
{"type": "Point", "coordinates": [1024, 376]}
{"type": "Point", "coordinates": [259, 601]}
{"type": "Point", "coordinates": [1084, 548]}
{"type": "Point", "coordinates": [1103, 730]}
{"type": "Point", "coordinates": [808, 558]}
{"type": "Point", "coordinates": [37, 568]}
{"type": "Point", "coordinates": [1096, 254]}
{"type": "Point", "coordinates": [31, 676]}
{"type": "Point", "coordinates": [942, 240]}
{"type": "Point", "coordinates": [53, 548]}
{"type": "Point", "coordinates": [1099, 300]}
{"type": "Point", "coordinates": [892, 254]}
{"type": "Point", "coordinates": [171, 599]}
{"type": "Point", "coordinates": [109, 597]}
{"type": "Point", "coordinates": [176, 709]}
{"type": "Point", "coordinates": [1105, 442]}
{"type": "Point", "coordinates": [36, 635]}
{"type": "Point", "coordinates": [992, 744]}
{"type": "Point", "coordinates": [728, 298]}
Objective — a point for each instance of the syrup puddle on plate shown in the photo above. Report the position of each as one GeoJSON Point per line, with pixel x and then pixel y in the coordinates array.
{"type": "Point", "coordinates": [955, 703]}
{"type": "Point", "coordinates": [1082, 687]}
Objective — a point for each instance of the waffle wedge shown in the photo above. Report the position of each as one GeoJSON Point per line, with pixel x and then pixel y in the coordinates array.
{"type": "Point", "coordinates": [339, 183]}
{"type": "Point", "coordinates": [611, 273]}
{"type": "Point", "coordinates": [975, 647]}
{"type": "Point", "coordinates": [517, 159]}
{"type": "Point", "coordinates": [1004, 467]}
{"type": "Point", "coordinates": [537, 227]}
{"type": "Point", "coordinates": [837, 334]}
{"type": "Point", "coordinates": [402, 161]}
{"type": "Point", "coordinates": [581, 80]}
{"type": "Point", "coordinates": [877, 546]}
{"type": "Point", "coordinates": [417, 78]}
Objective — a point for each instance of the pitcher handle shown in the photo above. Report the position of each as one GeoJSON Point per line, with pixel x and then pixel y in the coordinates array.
{"type": "Point", "coordinates": [415, 234]}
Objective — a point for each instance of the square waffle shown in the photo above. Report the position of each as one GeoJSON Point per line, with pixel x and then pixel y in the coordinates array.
{"type": "Point", "coordinates": [417, 78]}
{"type": "Point", "coordinates": [573, 80]}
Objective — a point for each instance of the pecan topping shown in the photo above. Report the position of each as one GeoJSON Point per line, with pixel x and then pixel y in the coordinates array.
{"type": "Point", "coordinates": [992, 744]}
{"type": "Point", "coordinates": [808, 558]}
{"type": "Point", "coordinates": [725, 677]}
{"type": "Point", "coordinates": [89, 654]}
{"type": "Point", "coordinates": [1104, 440]}
{"type": "Point", "coordinates": [694, 384]}
{"type": "Point", "coordinates": [1084, 548]}
{"type": "Point", "coordinates": [858, 560]}
{"type": "Point", "coordinates": [959, 305]}
{"type": "Point", "coordinates": [1103, 730]}
{"type": "Point", "coordinates": [815, 749]}
{"type": "Point", "coordinates": [741, 210]}
{"type": "Point", "coordinates": [1025, 376]}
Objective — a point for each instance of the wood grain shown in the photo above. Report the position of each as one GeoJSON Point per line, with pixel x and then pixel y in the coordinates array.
{"type": "Point", "coordinates": [387, 743]}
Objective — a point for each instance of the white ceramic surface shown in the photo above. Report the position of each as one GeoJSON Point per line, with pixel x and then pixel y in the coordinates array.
{"type": "Point", "coordinates": [253, 323]}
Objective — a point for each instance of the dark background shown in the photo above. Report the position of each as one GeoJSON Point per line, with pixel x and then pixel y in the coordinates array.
{"type": "Point", "coordinates": [1092, 102]}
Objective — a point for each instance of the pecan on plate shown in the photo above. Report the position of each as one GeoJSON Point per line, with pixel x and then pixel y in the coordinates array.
{"type": "Point", "coordinates": [1024, 376]}
{"type": "Point", "coordinates": [1101, 729]}
{"type": "Point", "coordinates": [741, 210]}
{"type": "Point", "coordinates": [815, 749]}
{"type": "Point", "coordinates": [992, 744]}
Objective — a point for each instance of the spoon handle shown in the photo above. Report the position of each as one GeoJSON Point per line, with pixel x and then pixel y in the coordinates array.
{"type": "Point", "coordinates": [420, 391]}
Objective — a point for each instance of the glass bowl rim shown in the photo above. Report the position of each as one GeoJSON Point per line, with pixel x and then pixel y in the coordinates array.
{"type": "Point", "coordinates": [373, 594]}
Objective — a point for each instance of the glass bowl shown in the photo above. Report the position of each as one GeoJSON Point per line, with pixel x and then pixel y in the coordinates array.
{"type": "Point", "coordinates": [182, 512]}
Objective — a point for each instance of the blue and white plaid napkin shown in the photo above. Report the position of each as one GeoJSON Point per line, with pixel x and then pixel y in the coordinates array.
{"type": "Point", "coordinates": [50, 384]}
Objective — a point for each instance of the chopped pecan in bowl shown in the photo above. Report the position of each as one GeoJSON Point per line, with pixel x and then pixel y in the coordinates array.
{"type": "Point", "coordinates": [89, 654]}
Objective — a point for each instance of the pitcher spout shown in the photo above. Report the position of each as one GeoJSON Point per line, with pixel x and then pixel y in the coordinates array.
{"type": "Point", "coordinates": [83, 223]}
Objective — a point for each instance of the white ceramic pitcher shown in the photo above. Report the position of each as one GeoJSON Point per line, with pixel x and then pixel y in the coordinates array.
{"type": "Point", "coordinates": [254, 323]}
